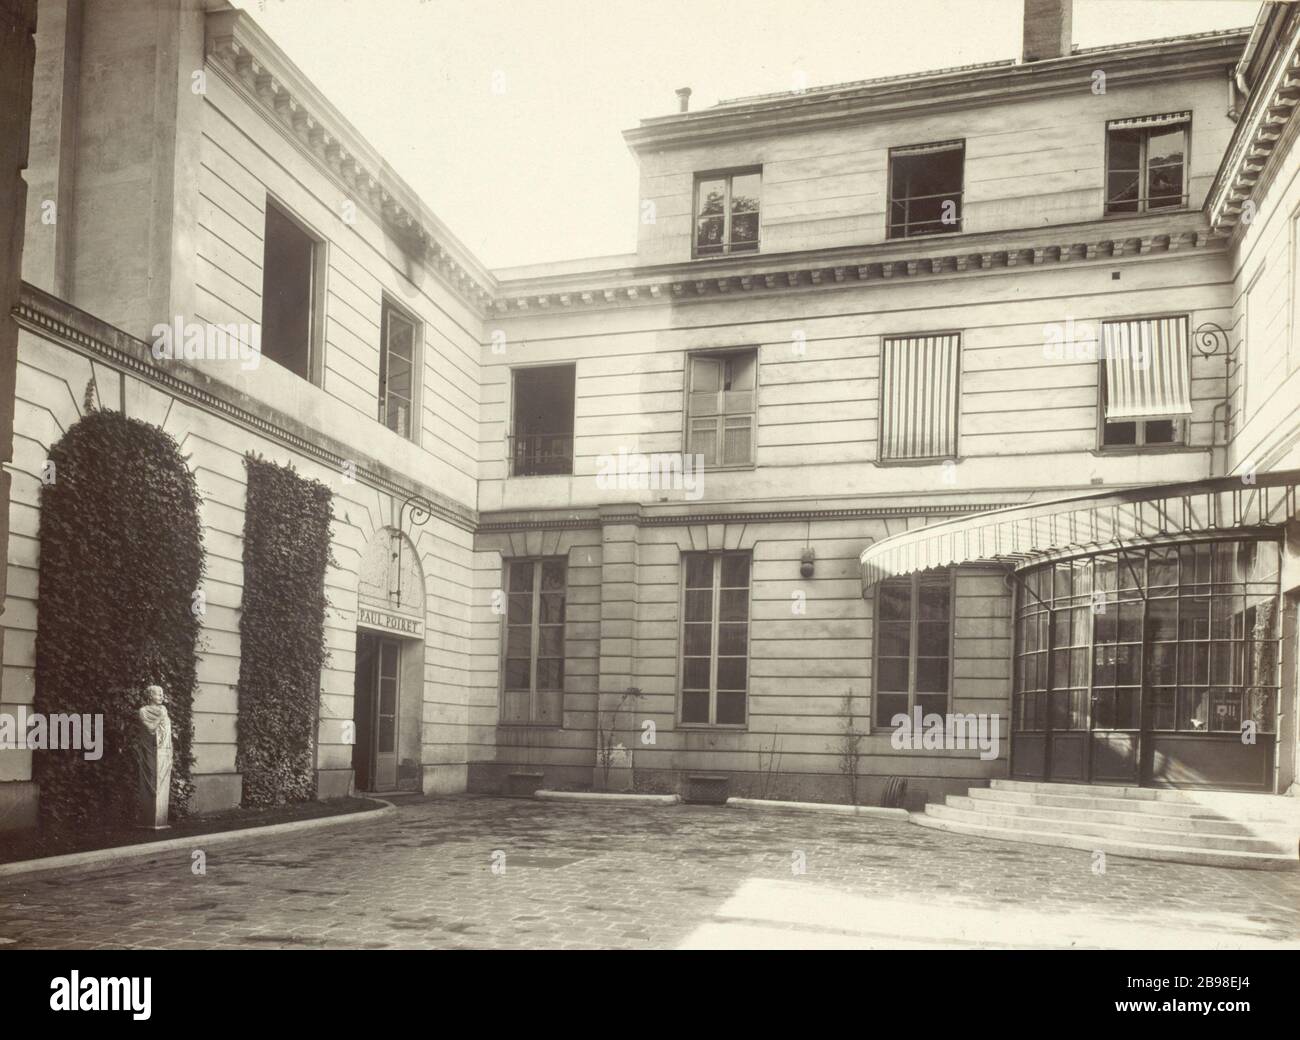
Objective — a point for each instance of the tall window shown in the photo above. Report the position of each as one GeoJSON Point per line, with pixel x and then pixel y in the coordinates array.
{"type": "Point", "coordinates": [542, 441]}
{"type": "Point", "coordinates": [1145, 382]}
{"type": "Point", "coordinates": [913, 645]}
{"type": "Point", "coordinates": [919, 396]}
{"type": "Point", "coordinates": [397, 368]}
{"type": "Point", "coordinates": [1146, 163]}
{"type": "Point", "coordinates": [288, 293]}
{"type": "Point", "coordinates": [534, 652]}
{"type": "Point", "coordinates": [720, 407]}
{"type": "Point", "coordinates": [715, 638]}
{"type": "Point", "coordinates": [726, 212]}
{"type": "Point", "coordinates": [925, 188]}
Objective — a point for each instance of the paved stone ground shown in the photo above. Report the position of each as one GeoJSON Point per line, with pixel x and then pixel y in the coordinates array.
{"type": "Point", "coordinates": [581, 876]}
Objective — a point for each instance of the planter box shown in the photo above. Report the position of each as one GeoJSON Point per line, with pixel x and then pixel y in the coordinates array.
{"type": "Point", "coordinates": [706, 788]}
{"type": "Point", "coordinates": [522, 785]}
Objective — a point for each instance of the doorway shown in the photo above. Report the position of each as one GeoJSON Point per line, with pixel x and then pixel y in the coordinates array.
{"type": "Point", "coordinates": [377, 692]}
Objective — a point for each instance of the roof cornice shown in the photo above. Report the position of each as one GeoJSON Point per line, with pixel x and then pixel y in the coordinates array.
{"type": "Point", "coordinates": [881, 263]}
{"type": "Point", "coordinates": [1269, 110]}
{"type": "Point", "coordinates": [248, 59]}
{"type": "Point", "coordinates": [1127, 64]}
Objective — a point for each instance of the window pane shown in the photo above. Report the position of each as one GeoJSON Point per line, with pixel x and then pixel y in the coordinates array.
{"type": "Point", "coordinates": [712, 196]}
{"type": "Point", "coordinates": [517, 675]}
{"type": "Point", "coordinates": [731, 708]}
{"type": "Point", "coordinates": [893, 638]}
{"type": "Point", "coordinates": [932, 703]}
{"type": "Point", "coordinates": [744, 192]}
{"type": "Point", "coordinates": [735, 572]}
{"type": "Point", "coordinates": [699, 572]}
{"type": "Point", "coordinates": [695, 706]}
{"type": "Point", "coordinates": [731, 673]}
{"type": "Point", "coordinates": [514, 706]}
{"type": "Point", "coordinates": [697, 639]}
{"type": "Point", "coordinates": [733, 605]}
{"type": "Point", "coordinates": [893, 674]}
{"type": "Point", "coordinates": [931, 675]}
{"type": "Point", "coordinates": [708, 235]}
{"type": "Point", "coordinates": [549, 707]}
{"type": "Point", "coordinates": [695, 673]}
{"type": "Point", "coordinates": [550, 674]}
{"type": "Point", "coordinates": [519, 608]}
{"type": "Point", "coordinates": [553, 576]}
{"type": "Point", "coordinates": [550, 641]}
{"type": "Point", "coordinates": [888, 705]}
{"type": "Point", "coordinates": [732, 639]}
{"type": "Point", "coordinates": [552, 607]}
{"type": "Point", "coordinates": [738, 441]}
{"type": "Point", "coordinates": [895, 599]}
{"type": "Point", "coordinates": [932, 639]}
{"type": "Point", "coordinates": [518, 641]}
{"type": "Point", "coordinates": [699, 605]}
{"type": "Point", "coordinates": [521, 577]}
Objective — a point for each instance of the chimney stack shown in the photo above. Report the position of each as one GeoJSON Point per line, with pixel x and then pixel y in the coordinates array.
{"type": "Point", "coordinates": [1047, 29]}
{"type": "Point", "coordinates": [683, 99]}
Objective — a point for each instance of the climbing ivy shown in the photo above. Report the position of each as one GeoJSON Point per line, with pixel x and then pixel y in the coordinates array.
{"type": "Point", "coordinates": [282, 632]}
{"type": "Point", "coordinates": [121, 558]}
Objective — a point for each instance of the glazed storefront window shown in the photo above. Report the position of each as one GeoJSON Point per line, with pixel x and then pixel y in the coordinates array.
{"type": "Point", "coordinates": [1195, 626]}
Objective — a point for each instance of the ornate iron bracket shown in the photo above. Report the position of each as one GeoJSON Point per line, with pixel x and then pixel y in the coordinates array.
{"type": "Point", "coordinates": [1209, 338]}
{"type": "Point", "coordinates": [421, 510]}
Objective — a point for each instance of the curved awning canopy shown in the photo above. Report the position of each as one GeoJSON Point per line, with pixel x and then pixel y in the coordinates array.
{"type": "Point", "coordinates": [1039, 531]}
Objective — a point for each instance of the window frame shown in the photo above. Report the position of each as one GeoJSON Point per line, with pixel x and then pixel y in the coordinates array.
{"type": "Point", "coordinates": [913, 644]}
{"type": "Point", "coordinates": [387, 308]}
{"type": "Point", "coordinates": [318, 289]}
{"type": "Point", "coordinates": [728, 174]}
{"type": "Point", "coordinates": [721, 354]}
{"type": "Point", "coordinates": [534, 642]}
{"type": "Point", "coordinates": [900, 151]}
{"type": "Point", "coordinates": [1182, 425]}
{"type": "Point", "coordinates": [1142, 200]}
{"type": "Point", "coordinates": [716, 557]}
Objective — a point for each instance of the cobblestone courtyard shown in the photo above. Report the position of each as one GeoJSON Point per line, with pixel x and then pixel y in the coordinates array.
{"type": "Point", "coordinates": [582, 876]}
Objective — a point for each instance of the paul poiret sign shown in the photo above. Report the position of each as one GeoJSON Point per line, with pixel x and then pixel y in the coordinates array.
{"type": "Point", "coordinates": [389, 621]}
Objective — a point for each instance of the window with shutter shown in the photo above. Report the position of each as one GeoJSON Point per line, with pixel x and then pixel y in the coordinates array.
{"type": "Point", "coordinates": [721, 396]}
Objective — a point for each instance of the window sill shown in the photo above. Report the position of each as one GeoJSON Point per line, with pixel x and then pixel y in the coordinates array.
{"type": "Point", "coordinates": [728, 469]}
{"type": "Point", "coordinates": [930, 460]}
{"type": "Point", "coordinates": [731, 727]}
{"type": "Point", "coordinates": [1158, 211]}
{"type": "Point", "coordinates": [533, 476]}
{"type": "Point", "coordinates": [726, 256]}
{"type": "Point", "coordinates": [532, 725]}
{"type": "Point", "coordinates": [1148, 449]}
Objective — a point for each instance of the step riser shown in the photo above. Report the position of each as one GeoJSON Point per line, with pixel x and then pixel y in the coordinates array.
{"type": "Point", "coordinates": [1227, 804]}
{"type": "Point", "coordinates": [1214, 842]}
{"type": "Point", "coordinates": [1152, 821]}
{"type": "Point", "coordinates": [1099, 802]}
{"type": "Point", "coordinates": [1200, 857]}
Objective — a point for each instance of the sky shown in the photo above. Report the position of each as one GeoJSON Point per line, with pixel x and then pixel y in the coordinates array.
{"type": "Point", "coordinates": [506, 116]}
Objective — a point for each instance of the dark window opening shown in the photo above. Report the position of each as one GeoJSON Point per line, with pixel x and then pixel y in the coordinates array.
{"type": "Point", "coordinates": [925, 189]}
{"type": "Point", "coordinates": [542, 441]}
{"type": "Point", "coordinates": [726, 213]}
{"type": "Point", "coordinates": [715, 639]}
{"type": "Point", "coordinates": [287, 276]}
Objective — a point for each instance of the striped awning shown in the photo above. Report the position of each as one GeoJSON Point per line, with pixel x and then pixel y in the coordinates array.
{"type": "Point", "coordinates": [1142, 122]}
{"type": "Point", "coordinates": [1148, 369]}
{"type": "Point", "coordinates": [918, 396]}
{"type": "Point", "coordinates": [1039, 531]}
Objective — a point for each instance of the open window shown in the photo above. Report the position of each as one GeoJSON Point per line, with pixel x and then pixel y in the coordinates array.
{"type": "Point", "coordinates": [925, 188]}
{"type": "Point", "coordinates": [542, 439]}
{"type": "Point", "coordinates": [290, 295]}
{"type": "Point", "coordinates": [721, 407]}
{"type": "Point", "coordinates": [1146, 163]}
{"type": "Point", "coordinates": [398, 371]}
{"type": "Point", "coordinates": [1146, 377]}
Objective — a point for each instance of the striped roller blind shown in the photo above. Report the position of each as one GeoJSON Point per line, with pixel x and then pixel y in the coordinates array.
{"type": "Point", "coordinates": [918, 396]}
{"type": "Point", "coordinates": [1148, 369]}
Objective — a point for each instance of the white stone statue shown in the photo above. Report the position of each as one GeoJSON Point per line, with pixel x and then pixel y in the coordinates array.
{"type": "Point", "coordinates": [153, 753]}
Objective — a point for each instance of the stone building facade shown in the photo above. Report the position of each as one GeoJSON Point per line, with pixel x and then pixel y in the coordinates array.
{"type": "Point", "coordinates": [714, 509]}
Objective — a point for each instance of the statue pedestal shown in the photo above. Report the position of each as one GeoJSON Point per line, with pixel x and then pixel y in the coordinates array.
{"type": "Point", "coordinates": [154, 792]}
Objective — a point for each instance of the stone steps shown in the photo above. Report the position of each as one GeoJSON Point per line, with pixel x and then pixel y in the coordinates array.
{"type": "Point", "coordinates": [1224, 829]}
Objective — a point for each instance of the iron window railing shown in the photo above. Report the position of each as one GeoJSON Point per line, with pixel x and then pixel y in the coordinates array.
{"type": "Point", "coordinates": [541, 454]}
